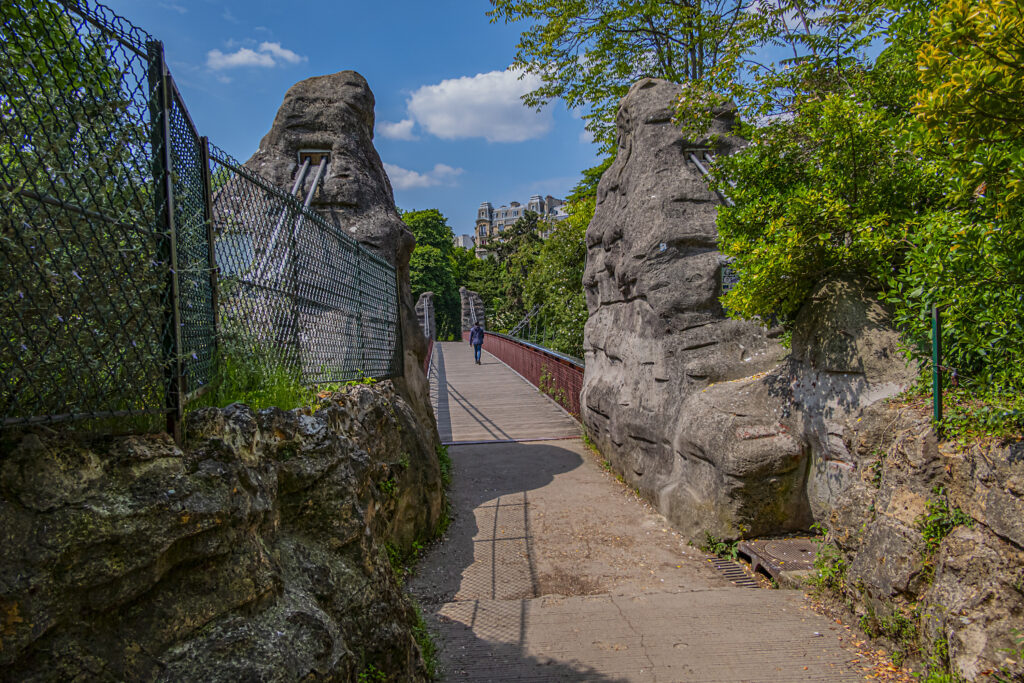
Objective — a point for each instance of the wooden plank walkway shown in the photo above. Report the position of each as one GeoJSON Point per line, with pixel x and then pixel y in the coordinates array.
{"type": "Point", "coordinates": [490, 402]}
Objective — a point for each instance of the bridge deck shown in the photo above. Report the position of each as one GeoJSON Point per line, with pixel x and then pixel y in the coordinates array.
{"type": "Point", "coordinates": [554, 571]}
{"type": "Point", "coordinates": [490, 402]}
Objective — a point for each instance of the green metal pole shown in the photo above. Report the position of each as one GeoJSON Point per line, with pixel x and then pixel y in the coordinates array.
{"type": "Point", "coordinates": [936, 367]}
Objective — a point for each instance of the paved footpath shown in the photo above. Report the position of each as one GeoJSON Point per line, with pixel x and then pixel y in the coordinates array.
{"type": "Point", "coordinates": [554, 571]}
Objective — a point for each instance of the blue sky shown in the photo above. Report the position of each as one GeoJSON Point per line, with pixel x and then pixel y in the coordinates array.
{"type": "Point", "coordinates": [450, 127]}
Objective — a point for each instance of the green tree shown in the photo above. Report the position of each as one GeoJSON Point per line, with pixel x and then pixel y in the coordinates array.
{"type": "Point", "coordinates": [462, 263]}
{"type": "Point", "coordinates": [972, 96]}
{"type": "Point", "coordinates": [832, 189]}
{"type": "Point", "coordinates": [970, 258]}
{"type": "Point", "coordinates": [432, 267]}
{"type": "Point", "coordinates": [430, 227]}
{"type": "Point", "coordinates": [827, 193]}
{"type": "Point", "coordinates": [589, 52]}
{"type": "Point", "coordinates": [516, 256]}
{"type": "Point", "coordinates": [555, 283]}
{"type": "Point", "coordinates": [852, 182]}
{"type": "Point", "coordinates": [524, 233]}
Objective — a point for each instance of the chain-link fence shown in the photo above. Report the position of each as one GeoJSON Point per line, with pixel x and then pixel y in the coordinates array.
{"type": "Point", "coordinates": [112, 216]}
{"type": "Point", "coordinates": [296, 289]}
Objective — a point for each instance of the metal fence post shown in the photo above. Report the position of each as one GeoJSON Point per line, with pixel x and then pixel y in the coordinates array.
{"type": "Point", "coordinates": [204, 147]}
{"type": "Point", "coordinates": [160, 137]}
{"type": "Point", "coordinates": [398, 357]}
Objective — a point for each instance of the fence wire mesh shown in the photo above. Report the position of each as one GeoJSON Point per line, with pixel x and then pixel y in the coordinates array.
{"type": "Point", "coordinates": [295, 288]}
{"type": "Point", "coordinates": [84, 285]}
{"type": "Point", "coordinates": [193, 256]}
{"type": "Point", "coordinates": [109, 231]}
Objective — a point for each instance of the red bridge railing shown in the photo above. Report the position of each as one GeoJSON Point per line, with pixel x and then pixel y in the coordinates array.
{"type": "Point", "coordinates": [557, 375]}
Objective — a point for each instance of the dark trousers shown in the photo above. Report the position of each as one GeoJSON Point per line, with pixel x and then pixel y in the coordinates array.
{"type": "Point", "coordinates": [476, 351]}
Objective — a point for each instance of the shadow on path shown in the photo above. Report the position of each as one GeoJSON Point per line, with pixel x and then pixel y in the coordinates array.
{"type": "Point", "coordinates": [476, 587]}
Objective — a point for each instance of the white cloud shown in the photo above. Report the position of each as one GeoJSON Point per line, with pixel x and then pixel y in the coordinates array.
{"type": "Point", "coordinates": [216, 60]}
{"type": "Point", "coordinates": [404, 179]}
{"type": "Point", "coordinates": [397, 131]}
{"type": "Point", "coordinates": [228, 16]}
{"type": "Point", "coordinates": [268, 55]}
{"type": "Point", "coordinates": [586, 137]}
{"type": "Point", "coordinates": [174, 7]}
{"type": "Point", "coordinates": [486, 105]}
{"type": "Point", "coordinates": [282, 53]}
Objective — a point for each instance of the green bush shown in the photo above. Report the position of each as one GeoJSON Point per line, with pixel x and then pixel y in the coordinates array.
{"type": "Point", "coordinates": [829, 565]}
{"type": "Point", "coordinates": [861, 178]}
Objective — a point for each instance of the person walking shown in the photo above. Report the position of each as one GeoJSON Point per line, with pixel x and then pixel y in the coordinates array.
{"type": "Point", "coordinates": [476, 338]}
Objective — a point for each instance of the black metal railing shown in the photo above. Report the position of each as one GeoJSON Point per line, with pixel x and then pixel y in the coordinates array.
{"type": "Point", "coordinates": [133, 256]}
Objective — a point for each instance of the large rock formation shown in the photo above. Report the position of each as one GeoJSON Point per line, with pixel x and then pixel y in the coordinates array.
{"type": "Point", "coordinates": [257, 553]}
{"type": "Point", "coordinates": [697, 410]}
{"type": "Point", "coordinates": [335, 113]}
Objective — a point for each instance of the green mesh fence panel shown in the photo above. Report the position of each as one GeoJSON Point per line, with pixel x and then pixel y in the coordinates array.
{"type": "Point", "coordinates": [198, 334]}
{"type": "Point", "coordinates": [82, 285]}
{"type": "Point", "coordinates": [295, 289]}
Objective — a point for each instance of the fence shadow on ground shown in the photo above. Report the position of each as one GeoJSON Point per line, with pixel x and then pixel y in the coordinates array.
{"type": "Point", "coordinates": [476, 590]}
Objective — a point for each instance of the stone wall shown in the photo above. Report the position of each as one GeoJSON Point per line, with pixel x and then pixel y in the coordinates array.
{"type": "Point", "coordinates": [966, 596]}
{"type": "Point", "coordinates": [256, 553]}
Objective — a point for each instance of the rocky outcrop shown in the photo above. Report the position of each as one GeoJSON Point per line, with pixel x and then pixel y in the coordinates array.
{"type": "Point", "coordinates": [256, 553]}
{"type": "Point", "coordinates": [957, 585]}
{"type": "Point", "coordinates": [702, 413]}
{"type": "Point", "coordinates": [335, 113]}
{"type": "Point", "coordinates": [472, 309]}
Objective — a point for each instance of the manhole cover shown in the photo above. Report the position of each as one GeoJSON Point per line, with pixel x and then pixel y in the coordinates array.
{"type": "Point", "coordinates": [777, 555]}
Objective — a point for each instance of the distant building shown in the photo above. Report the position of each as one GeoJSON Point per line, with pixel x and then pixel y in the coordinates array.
{"type": "Point", "coordinates": [464, 241]}
{"type": "Point", "coordinates": [491, 222]}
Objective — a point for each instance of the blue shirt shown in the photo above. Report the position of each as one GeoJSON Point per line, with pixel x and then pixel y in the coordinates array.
{"type": "Point", "coordinates": [476, 336]}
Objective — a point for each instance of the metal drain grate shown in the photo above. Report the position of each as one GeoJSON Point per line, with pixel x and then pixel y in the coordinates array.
{"type": "Point", "coordinates": [734, 572]}
{"type": "Point", "coordinates": [777, 555]}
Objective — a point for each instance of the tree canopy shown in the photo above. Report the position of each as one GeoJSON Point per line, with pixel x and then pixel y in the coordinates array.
{"type": "Point", "coordinates": [589, 52]}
